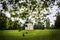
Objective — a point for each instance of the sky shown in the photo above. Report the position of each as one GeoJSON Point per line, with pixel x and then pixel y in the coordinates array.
{"type": "Point", "coordinates": [52, 10]}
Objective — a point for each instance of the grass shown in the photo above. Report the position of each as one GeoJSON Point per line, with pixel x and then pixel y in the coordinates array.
{"type": "Point", "coordinates": [30, 35]}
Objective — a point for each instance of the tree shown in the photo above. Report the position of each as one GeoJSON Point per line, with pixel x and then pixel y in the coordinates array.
{"type": "Point", "coordinates": [4, 5]}
{"type": "Point", "coordinates": [8, 21]}
{"type": "Point", "coordinates": [28, 9]}
{"type": "Point", "coordinates": [52, 26]}
{"type": "Point", "coordinates": [57, 22]}
{"type": "Point", "coordinates": [47, 23]}
{"type": "Point", "coordinates": [2, 21]}
{"type": "Point", "coordinates": [40, 25]}
{"type": "Point", "coordinates": [15, 25]}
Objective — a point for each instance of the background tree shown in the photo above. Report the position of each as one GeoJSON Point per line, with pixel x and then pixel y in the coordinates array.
{"type": "Point", "coordinates": [40, 25]}
{"type": "Point", "coordinates": [2, 21]}
{"type": "Point", "coordinates": [47, 23]}
{"type": "Point", "coordinates": [52, 26]}
{"type": "Point", "coordinates": [57, 22]}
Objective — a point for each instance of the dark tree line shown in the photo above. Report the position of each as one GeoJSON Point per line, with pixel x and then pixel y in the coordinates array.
{"type": "Point", "coordinates": [57, 22]}
{"type": "Point", "coordinates": [2, 21]}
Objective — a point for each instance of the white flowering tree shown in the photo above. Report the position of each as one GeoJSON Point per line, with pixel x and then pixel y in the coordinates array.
{"type": "Point", "coordinates": [34, 11]}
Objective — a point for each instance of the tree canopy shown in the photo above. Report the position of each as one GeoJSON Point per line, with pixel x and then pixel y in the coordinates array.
{"type": "Point", "coordinates": [34, 10]}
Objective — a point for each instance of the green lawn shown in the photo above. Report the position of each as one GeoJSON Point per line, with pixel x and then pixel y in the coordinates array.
{"type": "Point", "coordinates": [30, 35]}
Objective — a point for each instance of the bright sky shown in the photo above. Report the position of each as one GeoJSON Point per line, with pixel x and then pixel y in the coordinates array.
{"type": "Point", "coordinates": [53, 11]}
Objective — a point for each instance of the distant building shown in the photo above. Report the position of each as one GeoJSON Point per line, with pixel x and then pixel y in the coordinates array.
{"type": "Point", "coordinates": [29, 26]}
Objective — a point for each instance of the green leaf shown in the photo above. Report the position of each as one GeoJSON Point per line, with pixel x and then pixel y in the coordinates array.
{"type": "Point", "coordinates": [5, 6]}
{"type": "Point", "coordinates": [16, 1]}
{"type": "Point", "coordinates": [10, 1]}
{"type": "Point", "coordinates": [33, 2]}
{"type": "Point", "coordinates": [45, 5]}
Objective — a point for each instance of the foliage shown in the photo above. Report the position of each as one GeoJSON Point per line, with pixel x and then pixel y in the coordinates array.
{"type": "Point", "coordinates": [16, 1]}
{"type": "Point", "coordinates": [4, 5]}
{"type": "Point", "coordinates": [39, 26]}
{"type": "Point", "coordinates": [28, 10]}
{"type": "Point", "coordinates": [45, 5]}
{"type": "Point", "coordinates": [57, 22]}
{"type": "Point", "coordinates": [22, 4]}
{"type": "Point", "coordinates": [33, 2]}
{"type": "Point", "coordinates": [24, 14]}
{"type": "Point", "coordinates": [2, 21]}
{"type": "Point", "coordinates": [47, 23]}
{"type": "Point", "coordinates": [52, 27]}
{"type": "Point", "coordinates": [10, 1]}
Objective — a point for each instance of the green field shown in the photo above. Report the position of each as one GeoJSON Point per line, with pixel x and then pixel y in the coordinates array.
{"type": "Point", "coordinates": [30, 35]}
